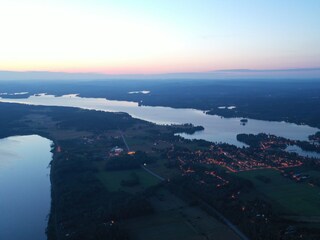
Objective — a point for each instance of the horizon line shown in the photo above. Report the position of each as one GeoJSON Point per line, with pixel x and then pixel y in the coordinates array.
{"type": "Point", "coordinates": [163, 73]}
{"type": "Point", "coordinates": [294, 73]}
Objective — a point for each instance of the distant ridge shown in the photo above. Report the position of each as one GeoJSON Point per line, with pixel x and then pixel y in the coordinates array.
{"type": "Point", "coordinates": [269, 70]}
{"type": "Point", "coordinates": [249, 74]}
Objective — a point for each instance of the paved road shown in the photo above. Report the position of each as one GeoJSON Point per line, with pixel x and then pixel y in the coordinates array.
{"type": "Point", "coordinates": [224, 220]}
{"type": "Point", "coordinates": [220, 216]}
{"type": "Point", "coordinates": [153, 173]}
{"type": "Point", "coordinates": [143, 167]}
{"type": "Point", "coordinates": [124, 141]}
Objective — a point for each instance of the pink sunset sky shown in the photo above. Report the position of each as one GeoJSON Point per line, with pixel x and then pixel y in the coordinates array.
{"type": "Point", "coordinates": [152, 37]}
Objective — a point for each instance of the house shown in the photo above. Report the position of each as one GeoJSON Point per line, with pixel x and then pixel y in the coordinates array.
{"type": "Point", "coordinates": [115, 151]}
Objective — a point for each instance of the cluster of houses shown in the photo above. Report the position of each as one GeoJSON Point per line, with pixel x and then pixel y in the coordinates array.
{"type": "Point", "coordinates": [298, 177]}
{"type": "Point", "coordinates": [117, 151]}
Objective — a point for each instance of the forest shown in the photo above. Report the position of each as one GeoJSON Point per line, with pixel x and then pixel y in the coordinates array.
{"type": "Point", "coordinates": [276, 100]}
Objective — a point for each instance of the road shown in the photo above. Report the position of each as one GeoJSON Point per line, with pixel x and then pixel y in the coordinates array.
{"type": "Point", "coordinates": [124, 141]}
{"type": "Point", "coordinates": [143, 167]}
{"type": "Point", "coordinates": [224, 220]}
{"type": "Point", "coordinates": [213, 210]}
{"type": "Point", "coordinates": [153, 173]}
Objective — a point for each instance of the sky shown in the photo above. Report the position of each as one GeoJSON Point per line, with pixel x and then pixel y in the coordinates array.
{"type": "Point", "coordinates": [158, 36]}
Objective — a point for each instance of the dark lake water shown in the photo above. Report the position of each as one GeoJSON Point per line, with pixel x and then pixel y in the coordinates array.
{"type": "Point", "coordinates": [298, 150]}
{"type": "Point", "coordinates": [24, 187]}
{"type": "Point", "coordinates": [217, 129]}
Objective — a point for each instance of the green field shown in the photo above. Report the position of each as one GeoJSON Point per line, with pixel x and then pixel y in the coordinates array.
{"type": "Point", "coordinates": [112, 180]}
{"type": "Point", "coordinates": [287, 196]}
{"type": "Point", "coordinates": [175, 219]}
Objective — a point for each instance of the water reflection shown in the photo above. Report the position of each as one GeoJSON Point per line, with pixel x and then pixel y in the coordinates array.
{"type": "Point", "coordinates": [299, 151]}
{"type": "Point", "coordinates": [217, 129]}
{"type": "Point", "coordinates": [24, 187]}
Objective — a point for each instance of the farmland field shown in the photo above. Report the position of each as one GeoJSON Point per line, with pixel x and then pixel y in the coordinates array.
{"type": "Point", "coordinates": [112, 180]}
{"type": "Point", "coordinates": [175, 219]}
{"type": "Point", "coordinates": [287, 196]}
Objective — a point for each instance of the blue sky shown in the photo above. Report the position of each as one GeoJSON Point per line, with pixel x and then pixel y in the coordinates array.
{"type": "Point", "coordinates": [158, 36]}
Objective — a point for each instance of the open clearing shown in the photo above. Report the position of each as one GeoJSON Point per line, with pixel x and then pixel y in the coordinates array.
{"type": "Point", "coordinates": [112, 180]}
{"type": "Point", "coordinates": [288, 197]}
{"type": "Point", "coordinates": [175, 219]}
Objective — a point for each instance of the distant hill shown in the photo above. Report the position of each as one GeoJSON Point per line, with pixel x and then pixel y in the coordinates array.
{"type": "Point", "coordinates": [295, 73]}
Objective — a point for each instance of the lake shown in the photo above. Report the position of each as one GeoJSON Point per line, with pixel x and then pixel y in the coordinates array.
{"type": "Point", "coordinates": [24, 187]}
{"type": "Point", "coordinates": [299, 151]}
{"type": "Point", "coordinates": [217, 129]}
